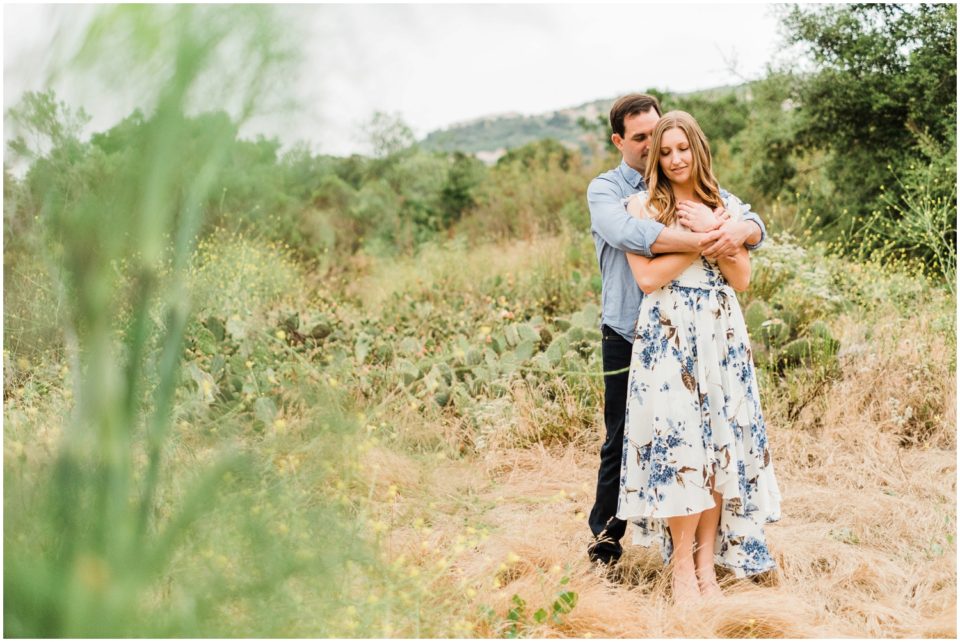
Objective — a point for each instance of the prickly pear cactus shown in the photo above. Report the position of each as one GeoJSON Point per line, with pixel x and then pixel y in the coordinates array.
{"type": "Point", "coordinates": [778, 343]}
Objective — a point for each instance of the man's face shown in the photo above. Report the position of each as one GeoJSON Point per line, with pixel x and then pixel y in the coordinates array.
{"type": "Point", "coordinates": [635, 142]}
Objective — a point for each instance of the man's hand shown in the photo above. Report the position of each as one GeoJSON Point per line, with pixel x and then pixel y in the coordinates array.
{"type": "Point", "coordinates": [697, 217]}
{"type": "Point", "coordinates": [725, 240]}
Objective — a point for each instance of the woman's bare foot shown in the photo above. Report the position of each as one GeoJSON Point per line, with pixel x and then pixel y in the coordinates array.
{"type": "Point", "coordinates": [684, 584]}
{"type": "Point", "coordinates": [707, 582]}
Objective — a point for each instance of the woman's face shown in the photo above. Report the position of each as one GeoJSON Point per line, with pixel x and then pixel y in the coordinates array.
{"type": "Point", "coordinates": [676, 159]}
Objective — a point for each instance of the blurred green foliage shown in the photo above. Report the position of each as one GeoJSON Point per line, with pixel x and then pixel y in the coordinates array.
{"type": "Point", "coordinates": [93, 534]}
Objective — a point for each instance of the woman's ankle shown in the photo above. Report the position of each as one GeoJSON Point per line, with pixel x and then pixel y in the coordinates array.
{"type": "Point", "coordinates": [685, 565]}
{"type": "Point", "coordinates": [705, 571]}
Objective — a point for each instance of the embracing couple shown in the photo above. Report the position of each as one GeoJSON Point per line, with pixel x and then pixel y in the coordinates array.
{"type": "Point", "coordinates": [685, 458]}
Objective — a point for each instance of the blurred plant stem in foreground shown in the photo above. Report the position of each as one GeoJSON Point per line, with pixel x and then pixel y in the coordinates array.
{"type": "Point", "coordinates": [121, 235]}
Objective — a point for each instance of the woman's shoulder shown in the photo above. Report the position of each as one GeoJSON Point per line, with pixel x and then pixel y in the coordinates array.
{"type": "Point", "coordinates": [640, 196]}
{"type": "Point", "coordinates": [636, 204]}
{"type": "Point", "coordinates": [732, 204]}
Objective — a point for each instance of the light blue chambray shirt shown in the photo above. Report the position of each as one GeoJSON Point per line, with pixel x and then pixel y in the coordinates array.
{"type": "Point", "coordinates": [615, 232]}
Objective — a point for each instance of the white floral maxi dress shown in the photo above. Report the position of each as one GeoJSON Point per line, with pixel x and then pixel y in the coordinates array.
{"type": "Point", "coordinates": [693, 412]}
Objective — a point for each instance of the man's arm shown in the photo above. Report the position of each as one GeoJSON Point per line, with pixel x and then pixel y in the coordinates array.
{"type": "Point", "coordinates": [610, 221]}
{"type": "Point", "coordinates": [671, 240]}
{"type": "Point", "coordinates": [628, 233]}
{"type": "Point", "coordinates": [755, 240]}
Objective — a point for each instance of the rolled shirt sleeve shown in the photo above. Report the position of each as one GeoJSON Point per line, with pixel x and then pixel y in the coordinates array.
{"type": "Point", "coordinates": [749, 215]}
{"type": "Point", "coordinates": [610, 220]}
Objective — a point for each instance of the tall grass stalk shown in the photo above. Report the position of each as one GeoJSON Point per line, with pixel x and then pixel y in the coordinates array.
{"type": "Point", "coordinates": [123, 238]}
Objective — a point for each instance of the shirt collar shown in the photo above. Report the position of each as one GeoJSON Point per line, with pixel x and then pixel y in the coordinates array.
{"type": "Point", "coordinates": [631, 175]}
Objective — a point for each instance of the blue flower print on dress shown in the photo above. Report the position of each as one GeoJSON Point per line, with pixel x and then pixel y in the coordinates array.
{"type": "Point", "coordinates": [693, 414]}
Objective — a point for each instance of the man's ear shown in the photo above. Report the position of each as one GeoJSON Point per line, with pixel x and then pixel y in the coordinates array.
{"type": "Point", "coordinates": [617, 141]}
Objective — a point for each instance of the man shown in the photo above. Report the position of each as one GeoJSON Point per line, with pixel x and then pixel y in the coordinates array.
{"type": "Point", "coordinates": [616, 232]}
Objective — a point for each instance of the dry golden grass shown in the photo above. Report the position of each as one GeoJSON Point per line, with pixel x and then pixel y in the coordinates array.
{"type": "Point", "coordinates": [865, 547]}
{"type": "Point", "coordinates": [374, 281]}
{"type": "Point", "coordinates": [470, 516]}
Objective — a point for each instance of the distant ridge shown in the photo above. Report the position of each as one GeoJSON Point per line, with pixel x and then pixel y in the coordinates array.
{"type": "Point", "coordinates": [488, 137]}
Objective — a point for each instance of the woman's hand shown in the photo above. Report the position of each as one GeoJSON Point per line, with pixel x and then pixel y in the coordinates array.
{"type": "Point", "coordinates": [727, 239]}
{"type": "Point", "coordinates": [697, 217]}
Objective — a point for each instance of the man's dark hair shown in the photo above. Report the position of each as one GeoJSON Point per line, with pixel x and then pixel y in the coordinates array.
{"type": "Point", "coordinates": [628, 106]}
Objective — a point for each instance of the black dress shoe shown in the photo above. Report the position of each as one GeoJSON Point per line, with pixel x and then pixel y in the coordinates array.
{"type": "Point", "coordinates": [604, 551]}
{"type": "Point", "coordinates": [608, 559]}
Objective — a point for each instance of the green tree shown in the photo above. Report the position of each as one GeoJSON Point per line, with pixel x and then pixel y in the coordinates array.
{"type": "Point", "coordinates": [886, 74]}
{"type": "Point", "coordinates": [388, 134]}
{"type": "Point", "coordinates": [44, 123]}
{"type": "Point", "coordinates": [458, 194]}
{"type": "Point", "coordinates": [721, 117]}
{"type": "Point", "coordinates": [540, 154]}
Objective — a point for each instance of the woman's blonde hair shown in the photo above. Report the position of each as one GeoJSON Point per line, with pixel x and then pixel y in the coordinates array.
{"type": "Point", "coordinates": [662, 202]}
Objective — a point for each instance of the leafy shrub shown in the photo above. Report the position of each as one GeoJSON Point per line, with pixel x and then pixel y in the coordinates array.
{"type": "Point", "coordinates": [235, 276]}
{"type": "Point", "coordinates": [530, 192]}
{"type": "Point", "coordinates": [33, 306]}
{"type": "Point", "coordinates": [919, 218]}
{"type": "Point", "coordinates": [794, 279]}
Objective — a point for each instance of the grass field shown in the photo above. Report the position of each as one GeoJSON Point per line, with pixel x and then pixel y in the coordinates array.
{"type": "Point", "coordinates": [418, 442]}
{"type": "Point", "coordinates": [865, 547]}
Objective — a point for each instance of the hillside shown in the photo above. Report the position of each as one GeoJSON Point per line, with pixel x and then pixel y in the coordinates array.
{"type": "Point", "coordinates": [507, 131]}
{"type": "Point", "coordinates": [490, 136]}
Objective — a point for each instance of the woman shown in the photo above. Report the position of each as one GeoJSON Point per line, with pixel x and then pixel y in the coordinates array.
{"type": "Point", "coordinates": [696, 471]}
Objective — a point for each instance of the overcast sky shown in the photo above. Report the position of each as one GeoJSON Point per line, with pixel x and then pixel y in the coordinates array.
{"type": "Point", "coordinates": [439, 64]}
